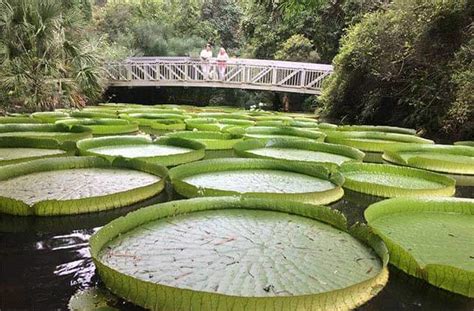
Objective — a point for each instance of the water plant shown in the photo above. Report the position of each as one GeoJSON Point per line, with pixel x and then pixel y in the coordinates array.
{"type": "Point", "coordinates": [455, 161]}
{"type": "Point", "coordinates": [263, 178]}
{"type": "Point", "coordinates": [208, 254]}
{"type": "Point", "coordinates": [166, 151]}
{"type": "Point", "coordinates": [298, 150]}
{"type": "Point", "coordinates": [429, 238]}
{"type": "Point", "coordinates": [386, 180]}
{"type": "Point", "coordinates": [74, 185]}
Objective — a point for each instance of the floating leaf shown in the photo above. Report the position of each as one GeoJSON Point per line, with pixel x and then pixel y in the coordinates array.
{"type": "Point", "coordinates": [74, 185]}
{"type": "Point", "coordinates": [240, 254]}
{"type": "Point", "coordinates": [392, 181]}
{"type": "Point", "coordinates": [258, 178]}
{"type": "Point", "coordinates": [429, 238]}
{"type": "Point", "coordinates": [167, 151]}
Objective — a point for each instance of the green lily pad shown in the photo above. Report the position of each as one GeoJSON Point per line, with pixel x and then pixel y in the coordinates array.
{"type": "Point", "coordinates": [19, 149]}
{"type": "Point", "coordinates": [240, 254]}
{"type": "Point", "coordinates": [167, 151]}
{"type": "Point", "coordinates": [147, 119]}
{"type": "Point", "coordinates": [371, 142]}
{"type": "Point", "coordinates": [469, 143]}
{"type": "Point", "coordinates": [18, 119]}
{"type": "Point", "coordinates": [304, 151]}
{"type": "Point", "coordinates": [392, 181]}
{"type": "Point", "coordinates": [73, 185]}
{"type": "Point", "coordinates": [104, 126]}
{"type": "Point", "coordinates": [58, 132]}
{"type": "Point", "coordinates": [377, 128]}
{"type": "Point", "coordinates": [258, 178]}
{"type": "Point", "coordinates": [212, 140]}
{"type": "Point", "coordinates": [457, 161]}
{"type": "Point", "coordinates": [50, 116]}
{"type": "Point", "coordinates": [268, 132]}
{"type": "Point", "coordinates": [429, 238]}
{"type": "Point", "coordinates": [93, 299]}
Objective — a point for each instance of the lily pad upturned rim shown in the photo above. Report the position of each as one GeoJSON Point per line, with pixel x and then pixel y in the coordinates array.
{"type": "Point", "coordinates": [8, 119]}
{"type": "Point", "coordinates": [392, 191]}
{"type": "Point", "coordinates": [103, 126]}
{"type": "Point", "coordinates": [350, 138]}
{"type": "Point", "coordinates": [83, 205]}
{"type": "Point", "coordinates": [177, 174]}
{"type": "Point", "coordinates": [243, 148]}
{"type": "Point", "coordinates": [212, 140]}
{"type": "Point", "coordinates": [75, 132]}
{"type": "Point", "coordinates": [469, 143]}
{"type": "Point", "coordinates": [392, 155]}
{"type": "Point", "coordinates": [284, 130]}
{"type": "Point", "coordinates": [152, 295]}
{"type": "Point", "coordinates": [377, 128]}
{"type": "Point", "coordinates": [69, 148]}
{"type": "Point", "coordinates": [197, 152]}
{"type": "Point", "coordinates": [436, 274]}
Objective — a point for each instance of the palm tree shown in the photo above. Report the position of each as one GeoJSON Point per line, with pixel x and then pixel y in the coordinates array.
{"type": "Point", "coordinates": [46, 61]}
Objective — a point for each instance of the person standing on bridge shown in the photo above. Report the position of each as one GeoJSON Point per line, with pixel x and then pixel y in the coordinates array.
{"type": "Point", "coordinates": [206, 55]}
{"type": "Point", "coordinates": [222, 59]}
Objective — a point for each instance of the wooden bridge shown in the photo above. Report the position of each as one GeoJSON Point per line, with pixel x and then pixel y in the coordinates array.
{"type": "Point", "coordinates": [250, 74]}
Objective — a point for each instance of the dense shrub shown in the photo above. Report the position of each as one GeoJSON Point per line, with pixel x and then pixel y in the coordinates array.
{"type": "Point", "coordinates": [297, 48]}
{"type": "Point", "coordinates": [410, 65]}
{"type": "Point", "coordinates": [46, 61]}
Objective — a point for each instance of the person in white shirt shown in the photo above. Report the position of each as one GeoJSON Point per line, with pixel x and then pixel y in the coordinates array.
{"type": "Point", "coordinates": [206, 55]}
{"type": "Point", "coordinates": [222, 59]}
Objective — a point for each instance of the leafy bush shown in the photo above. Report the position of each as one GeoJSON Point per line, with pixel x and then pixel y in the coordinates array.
{"type": "Point", "coordinates": [297, 48]}
{"type": "Point", "coordinates": [46, 61]}
{"type": "Point", "coordinates": [400, 67]}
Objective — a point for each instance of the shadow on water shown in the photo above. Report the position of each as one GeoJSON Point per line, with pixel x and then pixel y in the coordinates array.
{"type": "Point", "coordinates": [46, 260]}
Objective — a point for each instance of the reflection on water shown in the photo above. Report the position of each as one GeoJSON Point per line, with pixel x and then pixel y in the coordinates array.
{"type": "Point", "coordinates": [45, 261]}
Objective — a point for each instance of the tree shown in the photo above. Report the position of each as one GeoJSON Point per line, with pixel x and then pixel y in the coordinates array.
{"type": "Point", "coordinates": [399, 67]}
{"type": "Point", "coordinates": [46, 61]}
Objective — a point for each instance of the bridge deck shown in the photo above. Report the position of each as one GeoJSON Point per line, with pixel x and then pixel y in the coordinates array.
{"type": "Point", "coordinates": [250, 74]}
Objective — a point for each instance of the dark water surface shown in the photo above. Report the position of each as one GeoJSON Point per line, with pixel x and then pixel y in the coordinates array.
{"type": "Point", "coordinates": [44, 261]}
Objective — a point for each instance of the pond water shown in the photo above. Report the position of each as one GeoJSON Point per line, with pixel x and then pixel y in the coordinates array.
{"type": "Point", "coordinates": [44, 261]}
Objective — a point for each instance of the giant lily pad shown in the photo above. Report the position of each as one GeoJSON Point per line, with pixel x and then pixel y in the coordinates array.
{"type": "Point", "coordinates": [167, 151]}
{"type": "Point", "coordinates": [268, 132]}
{"type": "Point", "coordinates": [295, 150]}
{"type": "Point", "coordinates": [258, 178]}
{"type": "Point", "coordinates": [73, 185]}
{"type": "Point", "coordinates": [429, 238]}
{"type": "Point", "coordinates": [19, 149]}
{"type": "Point", "coordinates": [377, 128]}
{"type": "Point", "coordinates": [239, 254]}
{"type": "Point", "coordinates": [104, 126]}
{"type": "Point", "coordinates": [18, 119]}
{"type": "Point", "coordinates": [94, 114]}
{"type": "Point", "coordinates": [371, 142]}
{"type": "Point", "coordinates": [50, 116]}
{"type": "Point", "coordinates": [147, 119]}
{"type": "Point", "coordinates": [58, 132]}
{"type": "Point", "coordinates": [385, 180]}
{"type": "Point", "coordinates": [457, 161]}
{"type": "Point", "coordinates": [212, 140]}
{"type": "Point", "coordinates": [469, 143]}
{"type": "Point", "coordinates": [212, 124]}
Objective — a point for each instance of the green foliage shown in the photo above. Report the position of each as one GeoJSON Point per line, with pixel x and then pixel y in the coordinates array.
{"type": "Point", "coordinates": [46, 61]}
{"type": "Point", "coordinates": [267, 24]}
{"type": "Point", "coordinates": [297, 48]}
{"type": "Point", "coordinates": [396, 67]}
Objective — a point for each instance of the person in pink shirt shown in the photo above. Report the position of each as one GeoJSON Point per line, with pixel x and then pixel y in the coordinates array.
{"type": "Point", "coordinates": [222, 59]}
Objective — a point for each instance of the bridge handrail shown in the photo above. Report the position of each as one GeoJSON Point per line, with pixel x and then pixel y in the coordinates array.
{"type": "Point", "coordinates": [231, 61]}
{"type": "Point", "coordinates": [255, 74]}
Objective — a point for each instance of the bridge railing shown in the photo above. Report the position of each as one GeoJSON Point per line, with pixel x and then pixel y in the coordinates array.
{"type": "Point", "coordinates": [238, 73]}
